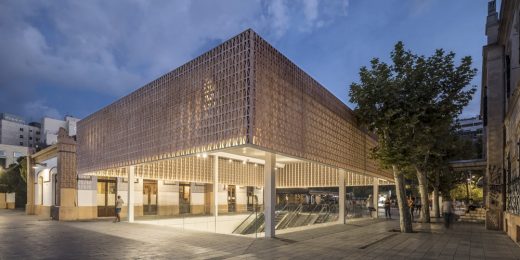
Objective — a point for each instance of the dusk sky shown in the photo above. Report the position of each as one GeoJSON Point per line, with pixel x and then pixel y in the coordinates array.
{"type": "Point", "coordinates": [62, 58]}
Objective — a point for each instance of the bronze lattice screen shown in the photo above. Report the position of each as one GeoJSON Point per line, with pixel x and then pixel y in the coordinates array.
{"type": "Point", "coordinates": [242, 92]}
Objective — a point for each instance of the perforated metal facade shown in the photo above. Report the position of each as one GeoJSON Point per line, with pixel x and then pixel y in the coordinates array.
{"type": "Point", "coordinates": [243, 92]}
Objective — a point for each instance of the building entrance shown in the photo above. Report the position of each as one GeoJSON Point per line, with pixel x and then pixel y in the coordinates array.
{"type": "Point", "coordinates": [251, 200]}
{"type": "Point", "coordinates": [150, 197]}
{"type": "Point", "coordinates": [184, 198]}
{"type": "Point", "coordinates": [232, 198]}
{"type": "Point", "coordinates": [106, 197]}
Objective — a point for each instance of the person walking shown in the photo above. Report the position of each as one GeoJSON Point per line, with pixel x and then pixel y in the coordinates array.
{"type": "Point", "coordinates": [370, 205]}
{"type": "Point", "coordinates": [119, 205]}
{"type": "Point", "coordinates": [388, 215]}
{"type": "Point", "coordinates": [418, 206]}
{"type": "Point", "coordinates": [447, 210]}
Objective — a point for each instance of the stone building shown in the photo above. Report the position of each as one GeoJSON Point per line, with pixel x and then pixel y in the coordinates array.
{"type": "Point", "coordinates": [501, 115]}
{"type": "Point", "coordinates": [217, 135]}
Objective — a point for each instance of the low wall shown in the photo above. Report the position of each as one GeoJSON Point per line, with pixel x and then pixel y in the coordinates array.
{"type": "Point", "coordinates": [512, 226]}
{"type": "Point", "coordinates": [7, 200]}
{"type": "Point", "coordinates": [226, 224]}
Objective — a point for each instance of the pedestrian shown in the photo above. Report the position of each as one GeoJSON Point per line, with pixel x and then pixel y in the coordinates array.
{"type": "Point", "coordinates": [119, 205]}
{"type": "Point", "coordinates": [370, 205]}
{"type": "Point", "coordinates": [418, 205]}
{"type": "Point", "coordinates": [388, 215]}
{"type": "Point", "coordinates": [411, 203]}
{"type": "Point", "coordinates": [447, 210]}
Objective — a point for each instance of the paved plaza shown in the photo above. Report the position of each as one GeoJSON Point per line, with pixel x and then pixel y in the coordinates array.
{"type": "Point", "coordinates": [26, 237]}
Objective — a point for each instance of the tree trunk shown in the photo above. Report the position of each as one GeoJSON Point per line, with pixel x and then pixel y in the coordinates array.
{"type": "Point", "coordinates": [405, 219]}
{"type": "Point", "coordinates": [423, 190]}
{"type": "Point", "coordinates": [435, 201]}
{"type": "Point", "coordinates": [436, 205]}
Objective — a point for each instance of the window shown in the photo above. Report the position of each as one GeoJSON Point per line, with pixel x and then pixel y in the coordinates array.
{"type": "Point", "coordinates": [30, 130]}
{"type": "Point", "coordinates": [37, 139]}
{"type": "Point", "coordinates": [508, 76]}
{"type": "Point", "coordinates": [30, 137]}
{"type": "Point", "coordinates": [21, 136]}
{"type": "Point", "coordinates": [17, 154]}
{"type": "Point", "coordinates": [37, 132]}
{"type": "Point", "coordinates": [21, 143]}
{"type": "Point", "coordinates": [21, 129]}
{"type": "Point", "coordinates": [2, 153]}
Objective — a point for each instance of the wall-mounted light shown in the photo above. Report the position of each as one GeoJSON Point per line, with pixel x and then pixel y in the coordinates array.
{"type": "Point", "coordinates": [204, 155]}
{"type": "Point", "coordinates": [230, 161]}
{"type": "Point", "coordinates": [41, 164]}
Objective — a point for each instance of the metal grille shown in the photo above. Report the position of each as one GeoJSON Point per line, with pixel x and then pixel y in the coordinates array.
{"type": "Point", "coordinates": [513, 196]}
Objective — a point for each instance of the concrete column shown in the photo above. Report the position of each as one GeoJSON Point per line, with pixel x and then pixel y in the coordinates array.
{"type": "Point", "coordinates": [341, 201]}
{"type": "Point", "coordinates": [130, 202]}
{"type": "Point", "coordinates": [375, 196]}
{"type": "Point", "coordinates": [29, 207]}
{"type": "Point", "coordinates": [215, 186]}
{"type": "Point", "coordinates": [269, 194]}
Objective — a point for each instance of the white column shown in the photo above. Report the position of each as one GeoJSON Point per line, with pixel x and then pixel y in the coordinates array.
{"type": "Point", "coordinates": [215, 186]}
{"type": "Point", "coordinates": [375, 195]}
{"type": "Point", "coordinates": [341, 217]}
{"type": "Point", "coordinates": [130, 202]}
{"type": "Point", "coordinates": [269, 194]}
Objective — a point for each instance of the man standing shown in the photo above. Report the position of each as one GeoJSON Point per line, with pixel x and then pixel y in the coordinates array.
{"type": "Point", "coordinates": [370, 205]}
{"type": "Point", "coordinates": [119, 205]}
{"type": "Point", "coordinates": [388, 215]}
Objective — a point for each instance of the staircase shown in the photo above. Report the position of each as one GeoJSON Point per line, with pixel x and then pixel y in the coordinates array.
{"type": "Point", "coordinates": [474, 216]}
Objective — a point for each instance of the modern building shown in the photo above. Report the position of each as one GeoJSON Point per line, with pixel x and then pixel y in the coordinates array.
{"type": "Point", "coordinates": [500, 108]}
{"type": "Point", "coordinates": [51, 126]}
{"type": "Point", "coordinates": [9, 154]}
{"type": "Point", "coordinates": [15, 131]}
{"type": "Point", "coordinates": [471, 127]}
{"type": "Point", "coordinates": [219, 134]}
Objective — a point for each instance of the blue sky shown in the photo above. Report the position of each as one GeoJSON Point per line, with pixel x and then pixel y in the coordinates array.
{"type": "Point", "coordinates": [74, 57]}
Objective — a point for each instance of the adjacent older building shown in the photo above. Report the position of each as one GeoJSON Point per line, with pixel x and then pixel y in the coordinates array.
{"type": "Point", "coordinates": [501, 116]}
{"type": "Point", "coordinates": [218, 134]}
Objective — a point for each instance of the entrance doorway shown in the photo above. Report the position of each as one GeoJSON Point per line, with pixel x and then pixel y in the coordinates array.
{"type": "Point", "coordinates": [250, 198]}
{"type": "Point", "coordinates": [184, 198]}
{"type": "Point", "coordinates": [106, 197]}
{"type": "Point", "coordinates": [232, 198]}
{"type": "Point", "coordinates": [150, 197]}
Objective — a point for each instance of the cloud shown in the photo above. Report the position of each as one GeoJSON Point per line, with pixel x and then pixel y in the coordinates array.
{"type": "Point", "coordinates": [35, 110]}
{"type": "Point", "coordinates": [114, 47]}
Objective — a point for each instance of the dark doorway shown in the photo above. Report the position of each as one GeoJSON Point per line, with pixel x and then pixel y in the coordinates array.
{"type": "Point", "coordinates": [184, 198]}
{"type": "Point", "coordinates": [251, 198]}
{"type": "Point", "coordinates": [150, 197]}
{"type": "Point", "coordinates": [106, 197]}
{"type": "Point", "coordinates": [232, 198]}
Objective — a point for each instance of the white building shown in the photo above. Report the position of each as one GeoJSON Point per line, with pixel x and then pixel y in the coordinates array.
{"type": "Point", "coordinates": [15, 131]}
{"type": "Point", "coordinates": [471, 127]}
{"type": "Point", "coordinates": [50, 127]}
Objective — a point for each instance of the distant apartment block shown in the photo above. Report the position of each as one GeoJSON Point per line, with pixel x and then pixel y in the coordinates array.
{"type": "Point", "coordinates": [10, 153]}
{"type": "Point", "coordinates": [471, 127]}
{"type": "Point", "coordinates": [15, 131]}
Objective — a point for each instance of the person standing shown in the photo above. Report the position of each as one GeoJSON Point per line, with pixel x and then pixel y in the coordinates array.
{"type": "Point", "coordinates": [418, 206]}
{"type": "Point", "coordinates": [447, 210]}
{"type": "Point", "coordinates": [388, 215]}
{"type": "Point", "coordinates": [119, 205]}
{"type": "Point", "coordinates": [411, 203]}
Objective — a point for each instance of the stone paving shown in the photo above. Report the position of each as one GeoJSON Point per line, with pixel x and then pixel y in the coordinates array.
{"type": "Point", "coordinates": [26, 237]}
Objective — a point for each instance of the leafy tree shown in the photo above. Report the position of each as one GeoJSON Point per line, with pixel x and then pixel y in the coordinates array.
{"type": "Point", "coordinates": [410, 105]}
{"type": "Point", "coordinates": [14, 179]}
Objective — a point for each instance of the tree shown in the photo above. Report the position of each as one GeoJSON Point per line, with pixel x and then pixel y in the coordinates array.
{"type": "Point", "coordinates": [14, 179]}
{"type": "Point", "coordinates": [382, 108]}
{"type": "Point", "coordinates": [410, 105]}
